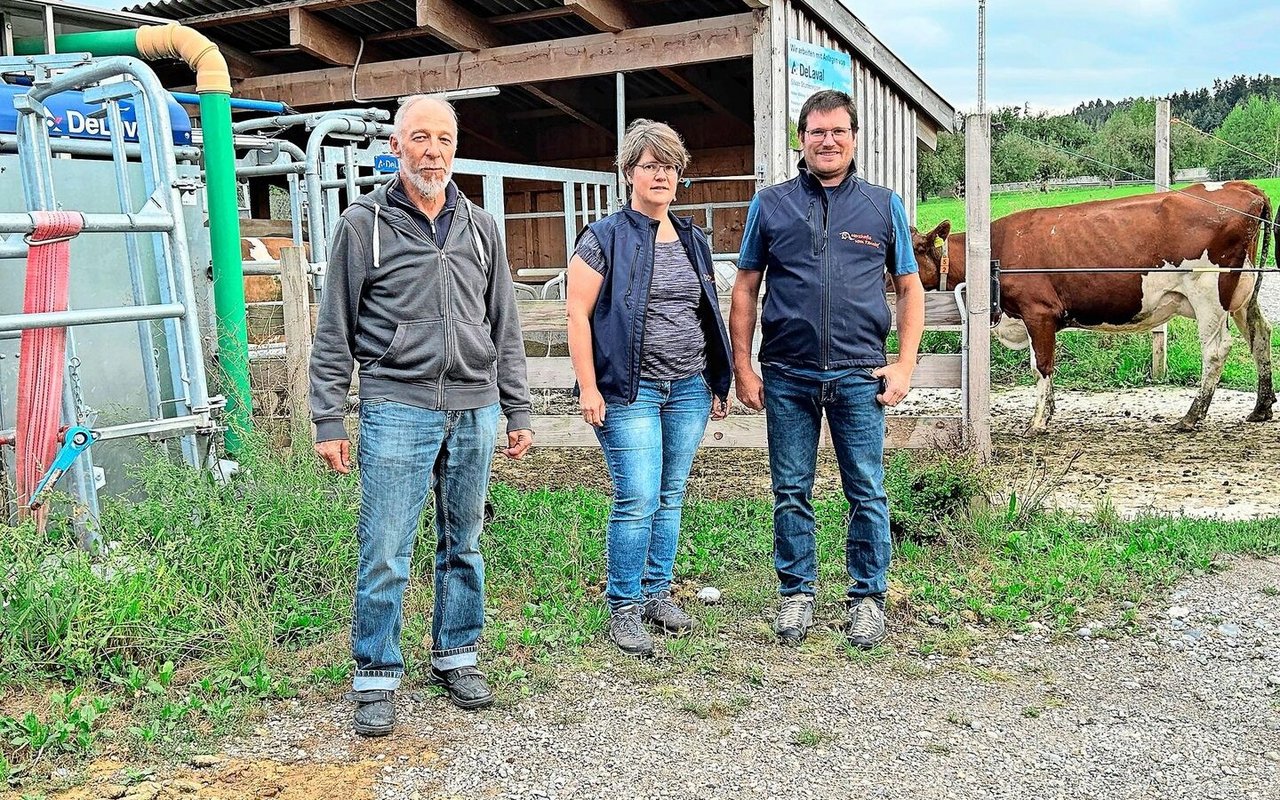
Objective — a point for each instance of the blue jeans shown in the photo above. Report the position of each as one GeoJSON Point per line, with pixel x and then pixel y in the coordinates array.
{"type": "Point", "coordinates": [794, 408]}
{"type": "Point", "coordinates": [405, 452]}
{"type": "Point", "coordinates": [649, 447]}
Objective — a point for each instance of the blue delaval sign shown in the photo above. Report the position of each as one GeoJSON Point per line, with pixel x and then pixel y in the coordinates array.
{"type": "Point", "coordinates": [70, 115]}
{"type": "Point", "coordinates": [386, 164]}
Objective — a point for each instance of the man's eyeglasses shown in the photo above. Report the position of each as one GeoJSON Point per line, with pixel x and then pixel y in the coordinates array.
{"type": "Point", "coordinates": [653, 168]}
{"type": "Point", "coordinates": [818, 134]}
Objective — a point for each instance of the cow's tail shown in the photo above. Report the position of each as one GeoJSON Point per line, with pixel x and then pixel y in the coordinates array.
{"type": "Point", "coordinates": [1269, 232]}
{"type": "Point", "coordinates": [1268, 225]}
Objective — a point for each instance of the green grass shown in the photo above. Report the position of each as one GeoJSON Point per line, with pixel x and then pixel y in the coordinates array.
{"type": "Point", "coordinates": [930, 213]}
{"type": "Point", "coordinates": [215, 598]}
{"type": "Point", "coordinates": [1097, 361]}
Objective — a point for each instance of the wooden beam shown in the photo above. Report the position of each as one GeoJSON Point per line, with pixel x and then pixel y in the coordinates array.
{"type": "Point", "coordinates": [748, 430]}
{"type": "Point", "coordinates": [565, 108]}
{"type": "Point", "coordinates": [536, 15]}
{"type": "Point", "coordinates": [455, 25]}
{"type": "Point", "coordinates": [698, 41]}
{"type": "Point", "coordinates": [321, 38]}
{"type": "Point", "coordinates": [698, 93]}
{"type": "Point", "coordinates": [603, 15]}
{"type": "Point", "coordinates": [241, 64]}
{"type": "Point", "coordinates": [264, 11]}
{"type": "Point", "coordinates": [933, 371]}
{"type": "Point", "coordinates": [548, 316]}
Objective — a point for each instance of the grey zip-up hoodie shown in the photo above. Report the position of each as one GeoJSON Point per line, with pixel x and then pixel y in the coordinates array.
{"type": "Point", "coordinates": [430, 326]}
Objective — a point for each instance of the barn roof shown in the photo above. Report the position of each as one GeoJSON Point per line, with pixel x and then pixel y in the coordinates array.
{"type": "Point", "coordinates": [299, 50]}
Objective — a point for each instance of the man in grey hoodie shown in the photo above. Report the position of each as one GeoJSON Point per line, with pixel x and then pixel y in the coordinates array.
{"type": "Point", "coordinates": [419, 295]}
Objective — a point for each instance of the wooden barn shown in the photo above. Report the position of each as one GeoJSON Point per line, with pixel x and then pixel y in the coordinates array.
{"type": "Point", "coordinates": [569, 73]}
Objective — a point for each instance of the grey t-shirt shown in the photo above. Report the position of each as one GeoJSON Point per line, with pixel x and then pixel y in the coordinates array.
{"type": "Point", "coordinates": [675, 346]}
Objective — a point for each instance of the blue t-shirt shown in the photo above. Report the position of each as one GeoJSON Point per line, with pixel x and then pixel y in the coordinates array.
{"type": "Point", "coordinates": [900, 260]}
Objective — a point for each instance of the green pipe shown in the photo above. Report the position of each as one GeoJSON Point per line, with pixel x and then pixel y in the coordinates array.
{"type": "Point", "coordinates": [224, 210]}
{"type": "Point", "coordinates": [98, 43]}
{"type": "Point", "coordinates": [228, 269]}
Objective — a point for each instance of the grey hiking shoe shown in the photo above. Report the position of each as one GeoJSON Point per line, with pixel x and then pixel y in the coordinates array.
{"type": "Point", "coordinates": [795, 618]}
{"type": "Point", "coordinates": [866, 623]}
{"type": "Point", "coordinates": [375, 711]}
{"type": "Point", "coordinates": [627, 631]}
{"type": "Point", "coordinates": [466, 686]}
{"type": "Point", "coordinates": [663, 613]}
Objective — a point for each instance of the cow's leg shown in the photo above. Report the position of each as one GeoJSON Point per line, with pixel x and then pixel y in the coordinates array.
{"type": "Point", "coordinates": [1257, 334]}
{"type": "Point", "coordinates": [1215, 343]}
{"type": "Point", "coordinates": [1042, 336]}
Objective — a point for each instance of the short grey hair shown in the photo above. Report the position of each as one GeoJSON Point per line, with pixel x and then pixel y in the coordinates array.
{"type": "Point", "coordinates": [414, 99]}
{"type": "Point", "coordinates": [658, 138]}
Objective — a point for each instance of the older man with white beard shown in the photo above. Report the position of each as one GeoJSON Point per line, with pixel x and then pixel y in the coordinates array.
{"type": "Point", "coordinates": [419, 295]}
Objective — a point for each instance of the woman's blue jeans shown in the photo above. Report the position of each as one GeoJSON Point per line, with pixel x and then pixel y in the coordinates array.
{"type": "Point", "coordinates": [405, 452]}
{"type": "Point", "coordinates": [649, 447]}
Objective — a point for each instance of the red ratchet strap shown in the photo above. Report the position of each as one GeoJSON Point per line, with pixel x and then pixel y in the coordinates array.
{"type": "Point", "coordinates": [44, 350]}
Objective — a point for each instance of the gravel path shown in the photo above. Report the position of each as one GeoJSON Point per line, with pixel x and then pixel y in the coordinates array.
{"type": "Point", "coordinates": [1189, 707]}
{"type": "Point", "coordinates": [1270, 297]}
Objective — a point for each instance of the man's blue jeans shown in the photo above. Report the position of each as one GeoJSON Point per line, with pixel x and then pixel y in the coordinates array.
{"type": "Point", "coordinates": [649, 447]}
{"type": "Point", "coordinates": [405, 452]}
{"type": "Point", "coordinates": [794, 408]}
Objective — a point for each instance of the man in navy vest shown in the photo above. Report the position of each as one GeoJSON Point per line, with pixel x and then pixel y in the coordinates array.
{"type": "Point", "coordinates": [823, 241]}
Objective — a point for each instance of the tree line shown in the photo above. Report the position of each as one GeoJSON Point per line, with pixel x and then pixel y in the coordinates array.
{"type": "Point", "coordinates": [1116, 140]}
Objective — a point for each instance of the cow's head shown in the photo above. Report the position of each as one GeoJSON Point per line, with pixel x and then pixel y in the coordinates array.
{"type": "Point", "coordinates": [931, 256]}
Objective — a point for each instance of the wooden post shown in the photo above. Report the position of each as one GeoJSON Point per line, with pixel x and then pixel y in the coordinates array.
{"type": "Point", "coordinates": [1160, 335]}
{"type": "Point", "coordinates": [769, 99]}
{"type": "Point", "coordinates": [977, 201]}
{"type": "Point", "coordinates": [297, 340]}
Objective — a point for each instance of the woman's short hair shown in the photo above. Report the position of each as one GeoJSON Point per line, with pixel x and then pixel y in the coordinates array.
{"type": "Point", "coordinates": [659, 139]}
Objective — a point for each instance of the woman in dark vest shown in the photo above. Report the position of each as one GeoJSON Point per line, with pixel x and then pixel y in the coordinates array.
{"type": "Point", "coordinates": [652, 360]}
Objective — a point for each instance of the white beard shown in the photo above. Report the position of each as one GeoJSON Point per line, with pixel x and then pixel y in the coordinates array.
{"type": "Point", "coordinates": [429, 189]}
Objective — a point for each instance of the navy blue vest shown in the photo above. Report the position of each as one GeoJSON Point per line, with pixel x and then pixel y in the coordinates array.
{"type": "Point", "coordinates": [824, 302]}
{"type": "Point", "coordinates": [627, 238]}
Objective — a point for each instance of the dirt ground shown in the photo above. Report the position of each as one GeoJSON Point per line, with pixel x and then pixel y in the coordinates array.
{"type": "Point", "coordinates": [1115, 446]}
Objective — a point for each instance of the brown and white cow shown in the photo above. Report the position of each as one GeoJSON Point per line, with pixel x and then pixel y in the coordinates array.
{"type": "Point", "coordinates": [264, 288]}
{"type": "Point", "coordinates": [1205, 227]}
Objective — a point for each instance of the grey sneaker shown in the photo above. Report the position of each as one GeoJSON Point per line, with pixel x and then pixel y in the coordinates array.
{"type": "Point", "coordinates": [866, 624]}
{"type": "Point", "coordinates": [375, 711]}
{"type": "Point", "coordinates": [795, 618]}
{"type": "Point", "coordinates": [663, 613]}
{"type": "Point", "coordinates": [627, 631]}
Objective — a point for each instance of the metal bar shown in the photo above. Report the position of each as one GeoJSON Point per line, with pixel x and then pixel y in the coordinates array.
{"type": "Point", "coordinates": [36, 171]}
{"type": "Point", "coordinates": [22, 222]}
{"type": "Point", "coordinates": [90, 316]}
{"type": "Point", "coordinates": [157, 172]}
{"type": "Point", "coordinates": [319, 213]}
{"type": "Point", "coordinates": [569, 214]}
{"type": "Point", "coordinates": [350, 173]}
{"type": "Point", "coordinates": [259, 170]}
{"type": "Point", "coordinates": [146, 343]}
{"type": "Point", "coordinates": [1008, 271]}
{"type": "Point", "coordinates": [495, 202]}
{"type": "Point", "coordinates": [148, 428]}
{"type": "Point", "coordinates": [261, 267]}
{"type": "Point", "coordinates": [363, 180]}
{"type": "Point", "coordinates": [289, 120]}
{"type": "Point", "coordinates": [91, 147]}
{"type": "Point", "coordinates": [620, 109]}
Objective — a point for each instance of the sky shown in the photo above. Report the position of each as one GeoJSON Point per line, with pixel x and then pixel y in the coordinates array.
{"type": "Point", "coordinates": [1055, 54]}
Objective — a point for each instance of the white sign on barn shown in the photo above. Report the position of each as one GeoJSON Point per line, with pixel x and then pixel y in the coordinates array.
{"type": "Point", "coordinates": [811, 68]}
